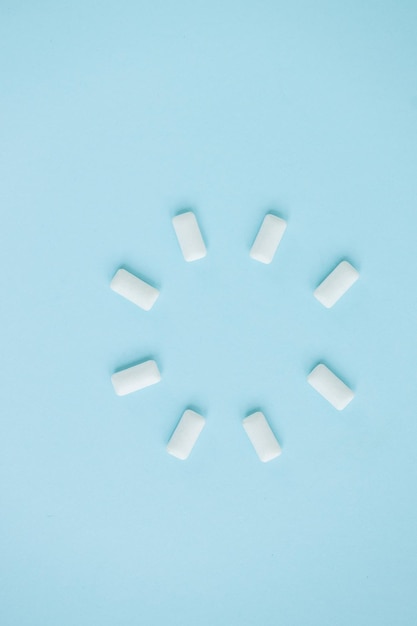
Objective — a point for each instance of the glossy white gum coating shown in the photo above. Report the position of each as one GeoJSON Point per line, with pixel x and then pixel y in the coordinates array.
{"type": "Point", "coordinates": [268, 238]}
{"type": "Point", "coordinates": [330, 387]}
{"type": "Point", "coordinates": [336, 284]}
{"type": "Point", "coordinates": [189, 236]}
{"type": "Point", "coordinates": [261, 437]}
{"type": "Point", "coordinates": [134, 289]}
{"type": "Point", "coordinates": [136, 378]}
{"type": "Point", "coordinates": [186, 434]}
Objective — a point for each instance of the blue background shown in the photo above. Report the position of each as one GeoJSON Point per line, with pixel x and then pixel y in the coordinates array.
{"type": "Point", "coordinates": [114, 116]}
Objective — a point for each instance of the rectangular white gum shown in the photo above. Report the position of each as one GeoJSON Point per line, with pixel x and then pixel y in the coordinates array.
{"type": "Point", "coordinates": [134, 289]}
{"type": "Point", "coordinates": [330, 387]}
{"type": "Point", "coordinates": [261, 437]}
{"type": "Point", "coordinates": [268, 238]}
{"type": "Point", "coordinates": [135, 378]}
{"type": "Point", "coordinates": [185, 435]}
{"type": "Point", "coordinates": [336, 284]}
{"type": "Point", "coordinates": [189, 236]}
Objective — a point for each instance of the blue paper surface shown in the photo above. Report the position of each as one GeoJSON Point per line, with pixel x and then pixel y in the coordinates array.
{"type": "Point", "coordinates": [115, 116]}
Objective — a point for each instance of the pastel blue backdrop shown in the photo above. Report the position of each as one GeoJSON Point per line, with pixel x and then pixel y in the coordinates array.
{"type": "Point", "coordinates": [114, 116]}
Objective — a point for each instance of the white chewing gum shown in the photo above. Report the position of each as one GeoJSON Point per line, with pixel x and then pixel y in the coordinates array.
{"type": "Point", "coordinates": [261, 437]}
{"type": "Point", "coordinates": [330, 387]}
{"type": "Point", "coordinates": [268, 238]}
{"type": "Point", "coordinates": [189, 236]}
{"type": "Point", "coordinates": [185, 435]}
{"type": "Point", "coordinates": [336, 284]}
{"type": "Point", "coordinates": [136, 378]}
{"type": "Point", "coordinates": [134, 289]}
